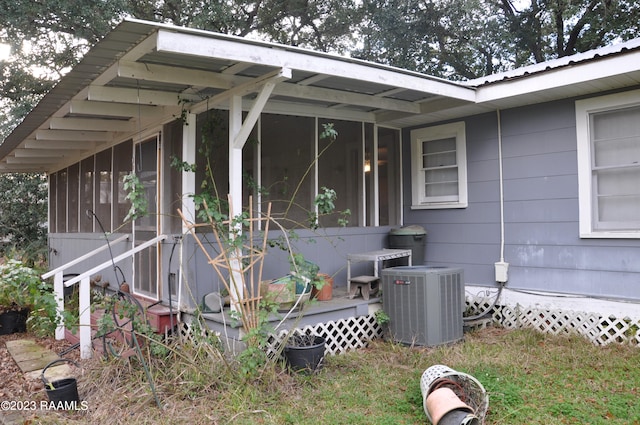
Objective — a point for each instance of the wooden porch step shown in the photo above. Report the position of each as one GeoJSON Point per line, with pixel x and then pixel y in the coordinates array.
{"type": "Point", "coordinates": [160, 316]}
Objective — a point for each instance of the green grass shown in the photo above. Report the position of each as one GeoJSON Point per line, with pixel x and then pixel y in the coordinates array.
{"type": "Point", "coordinates": [531, 378]}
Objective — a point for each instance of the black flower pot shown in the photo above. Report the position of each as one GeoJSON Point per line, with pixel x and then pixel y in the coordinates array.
{"type": "Point", "coordinates": [307, 357]}
{"type": "Point", "coordinates": [13, 321]}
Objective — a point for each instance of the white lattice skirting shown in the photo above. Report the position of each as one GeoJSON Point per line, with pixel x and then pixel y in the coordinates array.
{"type": "Point", "coordinates": [340, 336]}
{"type": "Point", "coordinates": [597, 328]}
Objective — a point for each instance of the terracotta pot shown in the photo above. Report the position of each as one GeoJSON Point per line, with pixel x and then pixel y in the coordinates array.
{"type": "Point", "coordinates": [442, 401]}
{"type": "Point", "coordinates": [326, 292]}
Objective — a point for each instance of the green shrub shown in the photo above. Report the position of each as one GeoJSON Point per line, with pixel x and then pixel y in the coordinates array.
{"type": "Point", "coordinates": [22, 288]}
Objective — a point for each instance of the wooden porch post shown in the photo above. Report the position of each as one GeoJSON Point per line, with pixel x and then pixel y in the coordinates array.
{"type": "Point", "coordinates": [235, 191]}
{"type": "Point", "coordinates": [188, 178]}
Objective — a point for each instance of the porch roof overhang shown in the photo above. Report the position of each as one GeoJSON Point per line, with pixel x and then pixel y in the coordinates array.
{"type": "Point", "coordinates": [143, 74]}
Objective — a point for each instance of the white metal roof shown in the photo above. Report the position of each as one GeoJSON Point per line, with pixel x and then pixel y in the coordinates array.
{"type": "Point", "coordinates": [142, 74]}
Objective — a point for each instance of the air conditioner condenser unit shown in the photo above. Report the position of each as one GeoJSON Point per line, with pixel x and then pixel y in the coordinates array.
{"type": "Point", "coordinates": [425, 304]}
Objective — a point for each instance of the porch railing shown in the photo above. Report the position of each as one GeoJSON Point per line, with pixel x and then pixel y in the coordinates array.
{"type": "Point", "coordinates": [58, 277]}
{"type": "Point", "coordinates": [84, 330]}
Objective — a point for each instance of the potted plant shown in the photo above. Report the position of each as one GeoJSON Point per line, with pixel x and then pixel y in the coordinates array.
{"type": "Point", "coordinates": [15, 283]}
{"type": "Point", "coordinates": [322, 287]}
{"type": "Point", "coordinates": [25, 298]}
{"type": "Point", "coordinates": [304, 352]}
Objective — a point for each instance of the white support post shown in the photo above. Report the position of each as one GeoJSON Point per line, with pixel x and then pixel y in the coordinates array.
{"type": "Point", "coordinates": [58, 290]}
{"type": "Point", "coordinates": [84, 330]}
{"type": "Point", "coordinates": [189, 178]}
{"type": "Point", "coordinates": [235, 191]}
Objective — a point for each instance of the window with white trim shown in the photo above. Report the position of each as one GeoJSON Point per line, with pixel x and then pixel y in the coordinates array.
{"type": "Point", "coordinates": [439, 166]}
{"type": "Point", "coordinates": [608, 136]}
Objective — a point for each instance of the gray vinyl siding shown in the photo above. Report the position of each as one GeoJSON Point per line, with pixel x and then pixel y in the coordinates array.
{"type": "Point", "coordinates": [328, 248]}
{"type": "Point", "coordinates": [542, 242]}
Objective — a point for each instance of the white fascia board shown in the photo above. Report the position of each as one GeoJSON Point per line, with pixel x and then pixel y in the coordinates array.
{"type": "Point", "coordinates": [560, 77]}
{"type": "Point", "coordinates": [232, 50]}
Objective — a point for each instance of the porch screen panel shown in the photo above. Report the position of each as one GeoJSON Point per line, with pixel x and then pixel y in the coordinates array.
{"type": "Point", "coordinates": [146, 158]}
{"type": "Point", "coordinates": [61, 201]}
{"type": "Point", "coordinates": [615, 141]}
{"type": "Point", "coordinates": [212, 159]}
{"type": "Point", "coordinates": [103, 194]}
{"type": "Point", "coordinates": [53, 178]}
{"type": "Point", "coordinates": [145, 228]}
{"type": "Point", "coordinates": [287, 148]}
{"type": "Point", "coordinates": [250, 177]}
{"type": "Point", "coordinates": [340, 169]}
{"type": "Point", "coordinates": [369, 176]}
{"type": "Point", "coordinates": [172, 181]}
{"type": "Point", "coordinates": [389, 176]}
{"type": "Point", "coordinates": [73, 193]}
{"type": "Point", "coordinates": [86, 193]}
{"type": "Point", "coordinates": [122, 160]}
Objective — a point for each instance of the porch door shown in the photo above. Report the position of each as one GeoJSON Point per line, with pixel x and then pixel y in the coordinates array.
{"type": "Point", "coordinates": [146, 228]}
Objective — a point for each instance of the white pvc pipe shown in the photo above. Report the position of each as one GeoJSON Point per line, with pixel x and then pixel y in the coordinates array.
{"type": "Point", "coordinates": [501, 187]}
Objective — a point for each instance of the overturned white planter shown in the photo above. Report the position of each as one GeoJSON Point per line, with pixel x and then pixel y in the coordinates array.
{"type": "Point", "coordinates": [452, 398]}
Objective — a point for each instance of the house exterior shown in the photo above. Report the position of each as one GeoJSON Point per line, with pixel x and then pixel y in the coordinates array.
{"type": "Point", "coordinates": [528, 180]}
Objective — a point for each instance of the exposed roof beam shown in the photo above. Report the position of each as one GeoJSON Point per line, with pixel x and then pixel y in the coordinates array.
{"type": "Point", "coordinates": [342, 97]}
{"type": "Point", "coordinates": [177, 75]}
{"type": "Point", "coordinates": [38, 153]}
{"type": "Point", "coordinates": [174, 75]}
{"type": "Point", "coordinates": [90, 123]}
{"type": "Point", "coordinates": [111, 109]}
{"type": "Point", "coordinates": [313, 79]}
{"type": "Point", "coordinates": [237, 67]}
{"type": "Point", "coordinates": [244, 89]}
{"type": "Point", "coordinates": [148, 45]}
{"type": "Point", "coordinates": [81, 136]}
{"type": "Point", "coordinates": [281, 107]}
{"type": "Point", "coordinates": [391, 92]}
{"type": "Point", "coordinates": [143, 97]}
{"type": "Point", "coordinates": [33, 160]}
{"type": "Point", "coordinates": [23, 168]}
{"type": "Point", "coordinates": [60, 144]}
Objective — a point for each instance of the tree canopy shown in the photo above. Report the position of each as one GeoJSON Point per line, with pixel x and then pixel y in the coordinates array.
{"type": "Point", "coordinates": [23, 215]}
{"type": "Point", "coordinates": [456, 39]}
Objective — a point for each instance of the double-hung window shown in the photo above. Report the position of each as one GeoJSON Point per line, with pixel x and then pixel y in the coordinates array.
{"type": "Point", "coordinates": [439, 167]}
{"type": "Point", "coordinates": [608, 136]}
